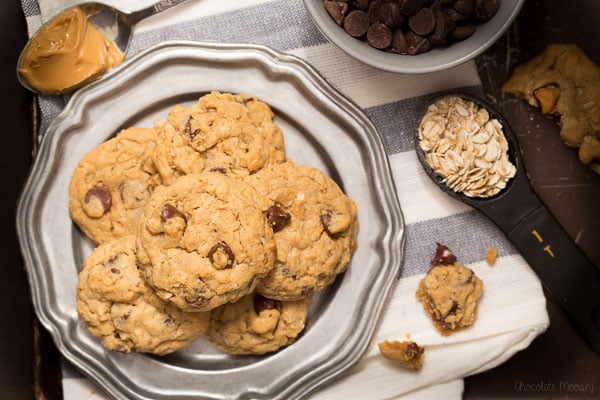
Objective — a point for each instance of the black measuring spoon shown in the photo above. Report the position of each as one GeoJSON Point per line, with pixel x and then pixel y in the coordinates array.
{"type": "Point", "coordinates": [566, 272]}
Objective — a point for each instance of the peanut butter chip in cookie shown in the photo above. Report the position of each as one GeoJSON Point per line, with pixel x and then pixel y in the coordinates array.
{"type": "Point", "coordinates": [97, 202]}
{"type": "Point", "coordinates": [277, 217]}
{"type": "Point", "coordinates": [221, 256]}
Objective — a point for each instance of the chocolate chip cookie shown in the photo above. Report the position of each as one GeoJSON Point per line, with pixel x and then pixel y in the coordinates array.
{"type": "Point", "coordinates": [565, 83]}
{"type": "Point", "coordinates": [204, 240]}
{"type": "Point", "coordinates": [173, 156]}
{"type": "Point", "coordinates": [234, 133]}
{"type": "Point", "coordinates": [407, 354]}
{"type": "Point", "coordinates": [121, 309]}
{"type": "Point", "coordinates": [257, 325]}
{"type": "Point", "coordinates": [315, 227]}
{"type": "Point", "coordinates": [449, 292]}
{"type": "Point", "coordinates": [111, 184]}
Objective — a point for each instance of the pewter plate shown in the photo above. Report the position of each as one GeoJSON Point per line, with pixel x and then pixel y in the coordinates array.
{"type": "Point", "coordinates": [321, 129]}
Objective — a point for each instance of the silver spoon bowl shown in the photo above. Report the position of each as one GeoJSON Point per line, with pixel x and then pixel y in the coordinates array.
{"type": "Point", "coordinates": [113, 23]}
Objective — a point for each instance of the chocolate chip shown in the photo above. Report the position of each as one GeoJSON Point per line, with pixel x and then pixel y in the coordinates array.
{"type": "Point", "coordinates": [413, 350]}
{"type": "Point", "coordinates": [168, 321]}
{"type": "Point", "coordinates": [361, 4]}
{"type": "Point", "coordinates": [443, 256]}
{"type": "Point", "coordinates": [116, 335]}
{"type": "Point", "coordinates": [218, 169]}
{"type": "Point", "coordinates": [221, 256]}
{"type": "Point", "coordinates": [326, 222]}
{"type": "Point", "coordinates": [188, 129]}
{"type": "Point", "coordinates": [168, 212]}
{"type": "Point", "coordinates": [399, 43]}
{"type": "Point", "coordinates": [102, 194]}
{"type": "Point", "coordinates": [465, 7]}
{"type": "Point", "coordinates": [452, 310]}
{"type": "Point", "coordinates": [443, 26]}
{"type": "Point", "coordinates": [115, 270]}
{"type": "Point", "coordinates": [422, 23]}
{"type": "Point", "coordinates": [454, 15]}
{"type": "Point", "coordinates": [389, 13]}
{"type": "Point", "coordinates": [379, 36]}
{"type": "Point", "coordinates": [126, 316]}
{"type": "Point", "coordinates": [486, 9]}
{"type": "Point", "coordinates": [373, 11]}
{"type": "Point", "coordinates": [261, 303]}
{"type": "Point", "coordinates": [356, 23]}
{"type": "Point", "coordinates": [277, 218]}
{"type": "Point", "coordinates": [411, 7]}
{"type": "Point", "coordinates": [337, 10]}
{"type": "Point", "coordinates": [416, 44]}
{"type": "Point", "coordinates": [464, 31]}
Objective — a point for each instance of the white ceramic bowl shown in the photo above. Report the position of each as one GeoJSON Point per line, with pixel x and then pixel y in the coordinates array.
{"type": "Point", "coordinates": [438, 58]}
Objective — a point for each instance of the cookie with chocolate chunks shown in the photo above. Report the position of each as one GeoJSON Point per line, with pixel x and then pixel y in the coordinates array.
{"type": "Point", "coordinates": [450, 292]}
{"type": "Point", "coordinates": [232, 132]}
{"type": "Point", "coordinates": [257, 325]}
{"type": "Point", "coordinates": [112, 183]}
{"type": "Point", "coordinates": [315, 227]}
{"type": "Point", "coordinates": [124, 312]}
{"type": "Point", "coordinates": [205, 240]}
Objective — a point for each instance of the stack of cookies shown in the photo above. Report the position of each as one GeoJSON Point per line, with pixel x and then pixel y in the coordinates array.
{"type": "Point", "coordinates": [204, 228]}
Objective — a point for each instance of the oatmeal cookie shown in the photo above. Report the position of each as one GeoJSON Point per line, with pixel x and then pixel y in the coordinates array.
{"type": "Point", "coordinates": [564, 82]}
{"type": "Point", "coordinates": [315, 228]}
{"type": "Point", "coordinates": [204, 240]}
{"type": "Point", "coordinates": [121, 309]}
{"type": "Point", "coordinates": [235, 133]}
{"type": "Point", "coordinates": [111, 184]}
{"type": "Point", "coordinates": [173, 156]}
{"type": "Point", "coordinates": [407, 354]}
{"type": "Point", "coordinates": [449, 293]}
{"type": "Point", "coordinates": [257, 325]}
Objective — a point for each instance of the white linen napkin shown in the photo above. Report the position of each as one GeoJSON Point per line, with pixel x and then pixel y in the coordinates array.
{"type": "Point", "coordinates": [512, 310]}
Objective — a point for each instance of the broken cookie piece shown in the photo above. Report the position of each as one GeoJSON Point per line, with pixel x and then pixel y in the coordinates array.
{"type": "Point", "coordinates": [407, 354]}
{"type": "Point", "coordinates": [450, 292]}
{"type": "Point", "coordinates": [564, 83]}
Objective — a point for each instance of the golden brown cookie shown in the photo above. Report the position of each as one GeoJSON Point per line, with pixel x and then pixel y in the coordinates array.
{"type": "Point", "coordinates": [173, 156]}
{"type": "Point", "coordinates": [564, 82]}
{"type": "Point", "coordinates": [121, 309]}
{"type": "Point", "coordinates": [407, 354]}
{"type": "Point", "coordinates": [315, 228]}
{"type": "Point", "coordinates": [257, 325]}
{"type": "Point", "coordinates": [204, 240]}
{"type": "Point", "coordinates": [449, 293]}
{"type": "Point", "coordinates": [234, 133]}
{"type": "Point", "coordinates": [111, 184]}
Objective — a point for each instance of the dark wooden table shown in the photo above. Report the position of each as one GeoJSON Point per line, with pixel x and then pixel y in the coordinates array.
{"type": "Point", "coordinates": [556, 359]}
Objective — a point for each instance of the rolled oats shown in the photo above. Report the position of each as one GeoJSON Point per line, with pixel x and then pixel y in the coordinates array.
{"type": "Point", "coordinates": [465, 147]}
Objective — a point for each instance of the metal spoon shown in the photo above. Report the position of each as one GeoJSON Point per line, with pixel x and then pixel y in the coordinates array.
{"type": "Point", "coordinates": [115, 24]}
{"type": "Point", "coordinates": [566, 272]}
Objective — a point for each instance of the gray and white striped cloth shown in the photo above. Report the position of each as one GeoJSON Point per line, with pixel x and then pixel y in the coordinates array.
{"type": "Point", "coordinates": [512, 310]}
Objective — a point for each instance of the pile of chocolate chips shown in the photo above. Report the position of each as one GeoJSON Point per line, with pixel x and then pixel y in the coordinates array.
{"type": "Point", "coordinates": [410, 26]}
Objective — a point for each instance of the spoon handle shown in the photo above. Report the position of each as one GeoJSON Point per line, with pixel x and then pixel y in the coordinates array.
{"type": "Point", "coordinates": [567, 273]}
{"type": "Point", "coordinates": [162, 5]}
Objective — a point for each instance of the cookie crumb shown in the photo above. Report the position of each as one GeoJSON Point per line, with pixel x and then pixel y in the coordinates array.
{"type": "Point", "coordinates": [490, 256]}
{"type": "Point", "coordinates": [407, 354]}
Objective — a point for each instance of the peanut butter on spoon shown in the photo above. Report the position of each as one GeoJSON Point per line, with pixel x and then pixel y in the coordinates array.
{"type": "Point", "coordinates": [67, 53]}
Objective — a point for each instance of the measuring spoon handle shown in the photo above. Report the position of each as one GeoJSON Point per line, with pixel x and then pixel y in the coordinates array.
{"type": "Point", "coordinates": [566, 272]}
